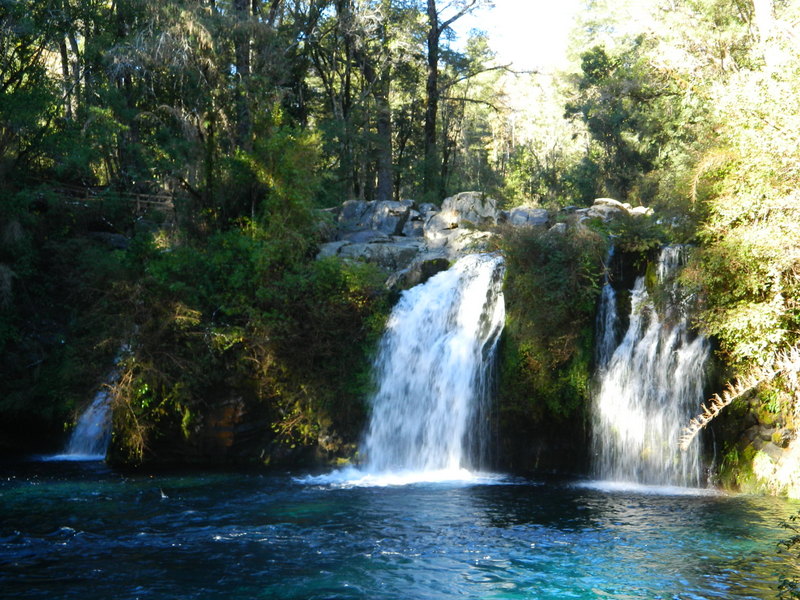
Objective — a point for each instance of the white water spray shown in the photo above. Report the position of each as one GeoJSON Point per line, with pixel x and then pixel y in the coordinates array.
{"type": "Point", "coordinates": [429, 418]}
{"type": "Point", "coordinates": [92, 433]}
{"type": "Point", "coordinates": [649, 386]}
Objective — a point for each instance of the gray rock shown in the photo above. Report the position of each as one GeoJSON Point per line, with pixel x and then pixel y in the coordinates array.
{"type": "Point", "coordinates": [473, 208]}
{"type": "Point", "coordinates": [611, 202]}
{"type": "Point", "coordinates": [526, 216]}
{"type": "Point", "coordinates": [419, 271]}
{"type": "Point", "coordinates": [414, 229]}
{"type": "Point", "coordinates": [438, 228]}
{"type": "Point", "coordinates": [393, 255]}
{"type": "Point", "coordinates": [331, 249]}
{"type": "Point", "coordinates": [559, 228]}
{"type": "Point", "coordinates": [365, 236]}
{"type": "Point", "coordinates": [388, 217]}
{"type": "Point", "coordinates": [606, 212]}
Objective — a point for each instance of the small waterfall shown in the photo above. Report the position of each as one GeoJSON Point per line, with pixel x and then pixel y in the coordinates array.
{"type": "Point", "coordinates": [430, 410]}
{"type": "Point", "coordinates": [649, 385]}
{"type": "Point", "coordinates": [92, 434]}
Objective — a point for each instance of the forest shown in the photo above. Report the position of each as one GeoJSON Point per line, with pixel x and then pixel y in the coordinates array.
{"type": "Point", "coordinates": [165, 169]}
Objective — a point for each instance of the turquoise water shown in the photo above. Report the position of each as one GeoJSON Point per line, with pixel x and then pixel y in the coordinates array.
{"type": "Point", "coordinates": [80, 530]}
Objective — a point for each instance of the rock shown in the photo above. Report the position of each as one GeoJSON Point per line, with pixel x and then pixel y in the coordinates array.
{"type": "Point", "coordinates": [419, 271]}
{"type": "Point", "coordinates": [526, 216]}
{"type": "Point", "coordinates": [438, 228]}
{"type": "Point", "coordinates": [782, 438]}
{"type": "Point", "coordinates": [331, 249]}
{"type": "Point", "coordinates": [641, 211]}
{"type": "Point", "coordinates": [611, 202]}
{"type": "Point", "coordinates": [766, 434]}
{"type": "Point", "coordinates": [366, 236]}
{"type": "Point", "coordinates": [388, 217]}
{"type": "Point", "coordinates": [473, 208]}
{"type": "Point", "coordinates": [559, 228]}
{"type": "Point", "coordinates": [426, 207]}
{"type": "Point", "coordinates": [775, 454]}
{"type": "Point", "coordinates": [415, 225]}
{"type": "Point", "coordinates": [606, 212]}
{"type": "Point", "coordinates": [393, 255]}
{"type": "Point", "coordinates": [465, 241]}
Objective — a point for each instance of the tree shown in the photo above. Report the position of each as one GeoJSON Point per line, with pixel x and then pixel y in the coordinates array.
{"type": "Point", "coordinates": [440, 18]}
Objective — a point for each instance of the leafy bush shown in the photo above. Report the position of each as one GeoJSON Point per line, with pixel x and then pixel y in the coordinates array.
{"type": "Point", "coordinates": [236, 318]}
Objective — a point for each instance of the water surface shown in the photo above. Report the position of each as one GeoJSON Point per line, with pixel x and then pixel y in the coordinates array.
{"type": "Point", "coordinates": [80, 530]}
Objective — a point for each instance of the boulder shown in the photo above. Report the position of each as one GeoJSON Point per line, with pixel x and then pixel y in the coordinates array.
{"type": "Point", "coordinates": [331, 249]}
{"type": "Point", "coordinates": [364, 236]}
{"type": "Point", "coordinates": [641, 211]}
{"type": "Point", "coordinates": [419, 271]}
{"type": "Point", "coordinates": [469, 208]}
{"type": "Point", "coordinates": [438, 228]}
{"type": "Point", "coordinates": [525, 216]}
{"type": "Point", "coordinates": [388, 216]}
{"type": "Point", "coordinates": [559, 228]}
{"type": "Point", "coordinates": [611, 202]}
{"type": "Point", "coordinates": [392, 255]}
{"type": "Point", "coordinates": [606, 212]}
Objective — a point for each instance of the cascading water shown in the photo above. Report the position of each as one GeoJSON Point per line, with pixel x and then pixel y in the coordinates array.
{"type": "Point", "coordinates": [429, 413]}
{"type": "Point", "coordinates": [92, 434]}
{"type": "Point", "coordinates": [649, 385]}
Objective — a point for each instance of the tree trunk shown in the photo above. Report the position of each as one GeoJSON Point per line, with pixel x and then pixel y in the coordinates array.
{"type": "Point", "coordinates": [242, 50]}
{"type": "Point", "coordinates": [430, 183]}
{"type": "Point", "coordinates": [66, 79]}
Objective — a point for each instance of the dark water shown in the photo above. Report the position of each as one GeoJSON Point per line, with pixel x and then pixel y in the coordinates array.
{"type": "Point", "coordinates": [72, 530]}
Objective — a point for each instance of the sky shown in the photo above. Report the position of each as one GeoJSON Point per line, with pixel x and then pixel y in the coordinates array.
{"type": "Point", "coordinates": [531, 34]}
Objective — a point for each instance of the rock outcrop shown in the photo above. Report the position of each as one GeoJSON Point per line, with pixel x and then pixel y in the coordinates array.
{"type": "Point", "coordinates": [414, 241]}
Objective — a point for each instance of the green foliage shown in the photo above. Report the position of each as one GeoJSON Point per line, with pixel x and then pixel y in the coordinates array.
{"type": "Point", "coordinates": [750, 252]}
{"type": "Point", "coordinates": [551, 289]}
{"type": "Point", "coordinates": [243, 317]}
{"type": "Point", "coordinates": [635, 113]}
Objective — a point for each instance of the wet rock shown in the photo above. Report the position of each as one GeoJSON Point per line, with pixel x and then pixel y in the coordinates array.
{"type": "Point", "coordinates": [419, 271]}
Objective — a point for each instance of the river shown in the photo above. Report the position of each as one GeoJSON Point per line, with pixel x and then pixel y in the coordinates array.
{"type": "Point", "coordinates": [82, 530]}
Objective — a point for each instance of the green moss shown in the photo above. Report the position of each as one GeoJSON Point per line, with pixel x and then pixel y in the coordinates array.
{"type": "Point", "coordinates": [551, 290]}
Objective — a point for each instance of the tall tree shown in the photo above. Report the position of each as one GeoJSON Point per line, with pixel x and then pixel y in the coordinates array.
{"type": "Point", "coordinates": [440, 18]}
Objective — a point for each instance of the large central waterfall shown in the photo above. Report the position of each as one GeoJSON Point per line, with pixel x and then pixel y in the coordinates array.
{"type": "Point", "coordinates": [429, 412]}
{"type": "Point", "coordinates": [650, 383]}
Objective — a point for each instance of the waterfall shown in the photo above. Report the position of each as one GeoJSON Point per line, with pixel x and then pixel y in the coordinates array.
{"type": "Point", "coordinates": [649, 385]}
{"type": "Point", "coordinates": [429, 412]}
{"type": "Point", "coordinates": [92, 433]}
